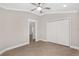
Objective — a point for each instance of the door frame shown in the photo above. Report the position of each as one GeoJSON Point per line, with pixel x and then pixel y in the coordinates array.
{"type": "Point", "coordinates": [32, 20]}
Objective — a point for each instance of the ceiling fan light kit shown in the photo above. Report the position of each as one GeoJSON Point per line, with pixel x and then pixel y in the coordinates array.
{"type": "Point", "coordinates": [40, 7]}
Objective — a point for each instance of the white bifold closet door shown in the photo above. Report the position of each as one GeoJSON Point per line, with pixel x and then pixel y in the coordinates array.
{"type": "Point", "coordinates": [58, 32]}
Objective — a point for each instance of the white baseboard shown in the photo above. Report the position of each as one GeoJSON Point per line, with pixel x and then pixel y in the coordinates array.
{"type": "Point", "coordinates": [74, 47]}
{"type": "Point", "coordinates": [7, 49]}
{"type": "Point", "coordinates": [41, 40]}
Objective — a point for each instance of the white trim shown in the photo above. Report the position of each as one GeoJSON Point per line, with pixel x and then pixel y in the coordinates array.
{"type": "Point", "coordinates": [9, 48]}
{"type": "Point", "coordinates": [74, 47]}
{"type": "Point", "coordinates": [70, 30]}
{"type": "Point", "coordinates": [42, 40]}
{"type": "Point", "coordinates": [54, 12]}
{"type": "Point", "coordinates": [61, 12]}
{"type": "Point", "coordinates": [32, 20]}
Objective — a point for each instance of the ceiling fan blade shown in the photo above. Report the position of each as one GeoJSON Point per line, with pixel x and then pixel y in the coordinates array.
{"type": "Point", "coordinates": [47, 8]}
{"type": "Point", "coordinates": [41, 11]}
{"type": "Point", "coordinates": [33, 9]}
{"type": "Point", "coordinates": [33, 3]}
{"type": "Point", "coordinates": [38, 4]}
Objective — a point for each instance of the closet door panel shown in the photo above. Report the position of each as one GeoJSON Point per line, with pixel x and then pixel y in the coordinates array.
{"type": "Point", "coordinates": [51, 32]}
{"type": "Point", "coordinates": [63, 32]}
{"type": "Point", "coordinates": [58, 32]}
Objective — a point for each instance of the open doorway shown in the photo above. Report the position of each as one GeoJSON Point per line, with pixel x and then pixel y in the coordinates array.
{"type": "Point", "coordinates": [32, 30]}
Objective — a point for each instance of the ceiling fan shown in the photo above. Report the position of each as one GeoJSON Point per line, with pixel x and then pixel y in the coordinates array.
{"type": "Point", "coordinates": [40, 7]}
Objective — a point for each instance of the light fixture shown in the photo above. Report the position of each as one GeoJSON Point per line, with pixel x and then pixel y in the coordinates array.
{"type": "Point", "coordinates": [39, 8]}
{"type": "Point", "coordinates": [64, 5]}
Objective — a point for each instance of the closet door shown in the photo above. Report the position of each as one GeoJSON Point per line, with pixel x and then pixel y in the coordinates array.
{"type": "Point", "coordinates": [51, 31]}
{"type": "Point", "coordinates": [63, 32]}
{"type": "Point", "coordinates": [58, 32]}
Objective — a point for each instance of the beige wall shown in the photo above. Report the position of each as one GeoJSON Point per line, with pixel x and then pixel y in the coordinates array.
{"type": "Point", "coordinates": [14, 27]}
{"type": "Point", "coordinates": [75, 30]}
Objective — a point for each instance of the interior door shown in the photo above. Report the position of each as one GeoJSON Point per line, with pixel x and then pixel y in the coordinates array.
{"type": "Point", "coordinates": [58, 32]}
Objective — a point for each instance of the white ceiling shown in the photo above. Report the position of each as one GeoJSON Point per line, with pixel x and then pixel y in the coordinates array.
{"type": "Point", "coordinates": [55, 7]}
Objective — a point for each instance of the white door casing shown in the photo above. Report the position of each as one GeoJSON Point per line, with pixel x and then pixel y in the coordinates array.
{"type": "Point", "coordinates": [32, 20]}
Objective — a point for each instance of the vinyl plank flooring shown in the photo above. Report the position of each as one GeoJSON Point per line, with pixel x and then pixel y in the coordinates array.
{"type": "Point", "coordinates": [42, 48]}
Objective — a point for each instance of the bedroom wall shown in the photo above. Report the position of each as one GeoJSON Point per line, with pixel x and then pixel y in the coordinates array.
{"type": "Point", "coordinates": [75, 30]}
{"type": "Point", "coordinates": [14, 27]}
{"type": "Point", "coordinates": [74, 26]}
